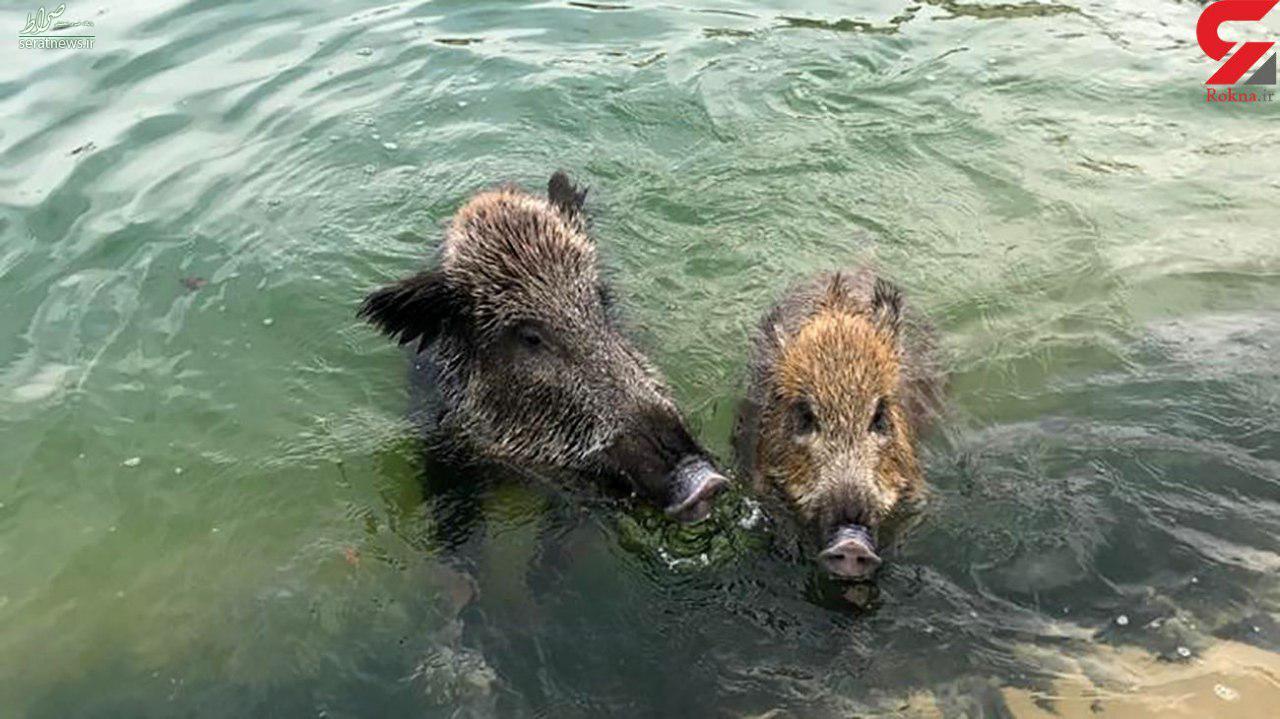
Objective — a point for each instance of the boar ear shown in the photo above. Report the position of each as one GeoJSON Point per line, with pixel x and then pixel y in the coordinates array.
{"type": "Point", "coordinates": [886, 305]}
{"type": "Point", "coordinates": [779, 335]}
{"type": "Point", "coordinates": [416, 307]}
{"type": "Point", "coordinates": [566, 196]}
{"type": "Point", "coordinates": [836, 294]}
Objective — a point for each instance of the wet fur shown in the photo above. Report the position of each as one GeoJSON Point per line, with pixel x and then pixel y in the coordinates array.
{"type": "Point", "coordinates": [514, 262]}
{"type": "Point", "coordinates": [839, 342]}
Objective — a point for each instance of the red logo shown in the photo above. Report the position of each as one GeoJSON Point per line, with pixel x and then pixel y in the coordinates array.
{"type": "Point", "coordinates": [1246, 53]}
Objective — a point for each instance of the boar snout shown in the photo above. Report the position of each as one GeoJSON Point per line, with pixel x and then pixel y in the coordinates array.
{"type": "Point", "coordinates": [695, 485]}
{"type": "Point", "coordinates": [851, 553]}
{"type": "Point", "coordinates": [663, 462]}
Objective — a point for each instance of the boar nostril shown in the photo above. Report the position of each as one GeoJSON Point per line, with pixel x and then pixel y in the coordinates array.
{"type": "Point", "coordinates": [851, 558]}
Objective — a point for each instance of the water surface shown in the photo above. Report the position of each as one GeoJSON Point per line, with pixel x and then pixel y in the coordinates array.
{"type": "Point", "coordinates": [210, 503]}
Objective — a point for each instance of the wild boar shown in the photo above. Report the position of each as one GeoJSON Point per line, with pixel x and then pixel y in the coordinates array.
{"type": "Point", "coordinates": [520, 357]}
{"type": "Point", "coordinates": [841, 384]}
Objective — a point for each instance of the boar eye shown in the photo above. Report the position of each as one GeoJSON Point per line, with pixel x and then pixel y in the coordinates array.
{"type": "Point", "coordinates": [880, 420]}
{"type": "Point", "coordinates": [804, 420]}
{"type": "Point", "coordinates": [528, 336]}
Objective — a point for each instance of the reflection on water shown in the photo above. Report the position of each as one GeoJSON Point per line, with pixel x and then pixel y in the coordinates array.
{"type": "Point", "coordinates": [213, 504]}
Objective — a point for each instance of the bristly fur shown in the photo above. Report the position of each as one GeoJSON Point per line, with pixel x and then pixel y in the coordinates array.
{"type": "Point", "coordinates": [518, 353]}
{"type": "Point", "coordinates": [840, 350]}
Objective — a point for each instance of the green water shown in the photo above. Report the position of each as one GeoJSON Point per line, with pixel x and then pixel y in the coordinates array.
{"type": "Point", "coordinates": [210, 503]}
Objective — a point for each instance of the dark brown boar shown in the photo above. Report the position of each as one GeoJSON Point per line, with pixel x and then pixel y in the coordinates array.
{"type": "Point", "coordinates": [520, 359]}
{"type": "Point", "coordinates": [842, 382]}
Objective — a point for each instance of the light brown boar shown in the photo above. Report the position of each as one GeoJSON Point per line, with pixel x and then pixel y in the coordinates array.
{"type": "Point", "coordinates": [842, 382]}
